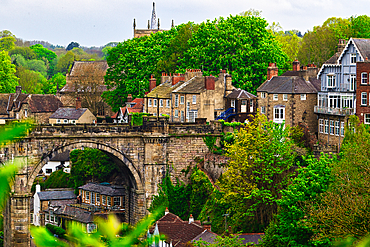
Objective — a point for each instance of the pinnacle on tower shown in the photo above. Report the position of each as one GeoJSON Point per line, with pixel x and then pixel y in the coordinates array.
{"type": "Point", "coordinates": [154, 18]}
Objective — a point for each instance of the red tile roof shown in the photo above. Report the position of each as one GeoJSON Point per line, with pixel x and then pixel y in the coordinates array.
{"type": "Point", "coordinates": [138, 107]}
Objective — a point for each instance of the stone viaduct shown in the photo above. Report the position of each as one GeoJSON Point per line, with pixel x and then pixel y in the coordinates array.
{"type": "Point", "coordinates": [142, 153]}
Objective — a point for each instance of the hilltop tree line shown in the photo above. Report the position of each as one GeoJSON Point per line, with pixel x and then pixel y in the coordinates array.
{"type": "Point", "coordinates": [38, 66]}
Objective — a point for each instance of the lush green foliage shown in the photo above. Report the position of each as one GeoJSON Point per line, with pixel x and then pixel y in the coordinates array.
{"type": "Point", "coordinates": [242, 45]}
{"type": "Point", "coordinates": [58, 179]}
{"type": "Point", "coordinates": [182, 199]}
{"type": "Point", "coordinates": [56, 230]}
{"type": "Point", "coordinates": [91, 165]}
{"type": "Point", "coordinates": [137, 118]}
{"type": "Point", "coordinates": [230, 241]}
{"type": "Point", "coordinates": [8, 80]}
{"type": "Point", "coordinates": [289, 227]}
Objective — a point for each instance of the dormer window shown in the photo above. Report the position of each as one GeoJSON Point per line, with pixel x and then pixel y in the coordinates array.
{"type": "Point", "coordinates": [353, 58]}
{"type": "Point", "coordinates": [331, 81]}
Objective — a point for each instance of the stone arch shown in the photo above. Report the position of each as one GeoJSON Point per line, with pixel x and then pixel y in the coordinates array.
{"type": "Point", "coordinates": [134, 174]}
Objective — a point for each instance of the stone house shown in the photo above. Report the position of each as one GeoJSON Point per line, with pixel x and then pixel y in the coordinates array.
{"type": "Point", "coordinates": [363, 91]}
{"type": "Point", "coordinates": [78, 115]}
{"type": "Point", "coordinates": [290, 97]}
{"type": "Point", "coordinates": [337, 97]}
{"type": "Point", "coordinates": [241, 106]}
{"type": "Point", "coordinates": [86, 81]}
{"type": "Point", "coordinates": [185, 97]}
{"type": "Point", "coordinates": [44, 203]}
{"type": "Point", "coordinates": [136, 105]}
{"type": "Point", "coordinates": [19, 105]}
{"type": "Point", "coordinates": [57, 162]}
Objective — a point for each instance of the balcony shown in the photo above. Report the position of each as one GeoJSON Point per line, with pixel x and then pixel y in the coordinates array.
{"type": "Point", "coordinates": [334, 111]}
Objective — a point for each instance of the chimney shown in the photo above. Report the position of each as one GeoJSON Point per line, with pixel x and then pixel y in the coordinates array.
{"type": "Point", "coordinates": [341, 45]}
{"type": "Point", "coordinates": [78, 103]}
{"type": "Point", "coordinates": [209, 82]}
{"type": "Point", "coordinates": [129, 98]}
{"type": "Point", "coordinates": [152, 83]}
{"type": "Point", "coordinates": [191, 219]}
{"type": "Point", "coordinates": [38, 188]}
{"type": "Point", "coordinates": [177, 77]}
{"type": "Point", "coordinates": [18, 89]}
{"type": "Point", "coordinates": [167, 211]}
{"type": "Point", "coordinates": [272, 70]}
{"type": "Point", "coordinates": [296, 65]}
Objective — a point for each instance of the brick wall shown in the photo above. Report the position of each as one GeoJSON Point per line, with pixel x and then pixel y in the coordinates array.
{"type": "Point", "coordinates": [362, 110]}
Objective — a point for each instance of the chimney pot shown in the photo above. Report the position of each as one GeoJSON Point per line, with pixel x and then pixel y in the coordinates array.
{"type": "Point", "coordinates": [191, 219]}
{"type": "Point", "coordinates": [296, 65]}
{"type": "Point", "coordinates": [167, 211]}
{"type": "Point", "coordinates": [272, 71]}
{"type": "Point", "coordinates": [78, 103]}
{"type": "Point", "coordinates": [18, 89]}
{"type": "Point", "coordinates": [129, 98]}
{"type": "Point", "coordinates": [209, 82]}
{"type": "Point", "coordinates": [152, 83]}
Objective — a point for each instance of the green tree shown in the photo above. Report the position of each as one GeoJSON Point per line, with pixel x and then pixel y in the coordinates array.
{"type": "Point", "coordinates": [46, 55]}
{"type": "Point", "coordinates": [57, 81]}
{"type": "Point", "coordinates": [7, 43]}
{"type": "Point", "coordinates": [242, 45]}
{"type": "Point", "coordinates": [18, 60]}
{"type": "Point", "coordinates": [342, 210]}
{"type": "Point", "coordinates": [229, 241]}
{"type": "Point", "coordinates": [260, 161]}
{"type": "Point", "coordinates": [64, 63]}
{"type": "Point", "coordinates": [290, 44]}
{"type": "Point", "coordinates": [26, 52]}
{"type": "Point", "coordinates": [37, 65]}
{"type": "Point", "coordinates": [289, 227]}
{"type": "Point", "coordinates": [31, 81]}
{"type": "Point", "coordinates": [360, 26]}
{"type": "Point", "coordinates": [91, 165]}
{"type": "Point", "coordinates": [8, 80]}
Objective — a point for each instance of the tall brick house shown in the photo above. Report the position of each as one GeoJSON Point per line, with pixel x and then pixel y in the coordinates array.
{"type": "Point", "coordinates": [290, 97]}
{"type": "Point", "coordinates": [363, 91]}
{"type": "Point", "coordinates": [185, 97]}
{"type": "Point", "coordinates": [337, 96]}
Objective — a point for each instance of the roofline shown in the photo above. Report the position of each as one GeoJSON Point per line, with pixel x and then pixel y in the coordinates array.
{"type": "Point", "coordinates": [345, 48]}
{"type": "Point", "coordinates": [326, 65]}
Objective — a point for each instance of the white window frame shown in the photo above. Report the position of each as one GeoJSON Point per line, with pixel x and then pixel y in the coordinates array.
{"type": "Point", "coordinates": [303, 96]}
{"type": "Point", "coordinates": [363, 99]}
{"type": "Point", "coordinates": [263, 109]}
{"type": "Point", "coordinates": [275, 97]}
{"type": "Point", "coordinates": [168, 103]}
{"type": "Point", "coordinates": [330, 81]}
{"type": "Point", "coordinates": [353, 58]}
{"type": "Point", "coordinates": [321, 125]}
{"type": "Point", "coordinates": [154, 102]}
{"type": "Point", "coordinates": [65, 120]}
{"type": "Point", "coordinates": [176, 113]}
{"type": "Point", "coordinates": [342, 128]}
{"type": "Point", "coordinates": [263, 95]}
{"type": "Point", "coordinates": [337, 128]}
{"type": "Point", "coordinates": [194, 99]}
{"type": "Point", "coordinates": [352, 82]}
{"type": "Point", "coordinates": [279, 115]}
{"type": "Point", "coordinates": [58, 121]}
{"type": "Point", "coordinates": [367, 118]}
{"type": "Point", "coordinates": [364, 78]}
{"type": "Point", "coordinates": [233, 103]}
{"type": "Point", "coordinates": [331, 128]}
{"type": "Point", "coordinates": [182, 100]}
{"type": "Point", "coordinates": [182, 116]}
{"type": "Point", "coordinates": [285, 97]}
{"type": "Point", "coordinates": [326, 126]}
{"type": "Point", "coordinates": [176, 100]}
{"type": "Point", "coordinates": [149, 102]}
{"type": "Point", "coordinates": [161, 103]}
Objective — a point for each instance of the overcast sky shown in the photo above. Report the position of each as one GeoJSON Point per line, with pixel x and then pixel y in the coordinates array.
{"type": "Point", "coordinates": [95, 23]}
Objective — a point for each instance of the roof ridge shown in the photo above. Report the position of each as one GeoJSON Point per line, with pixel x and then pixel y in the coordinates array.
{"type": "Point", "coordinates": [184, 84]}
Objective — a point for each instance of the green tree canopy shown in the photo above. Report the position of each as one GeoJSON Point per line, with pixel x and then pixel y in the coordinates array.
{"type": "Point", "coordinates": [64, 63]}
{"type": "Point", "coordinates": [8, 80]}
{"type": "Point", "coordinates": [31, 81]}
{"type": "Point", "coordinates": [26, 52]}
{"type": "Point", "coordinates": [7, 43]}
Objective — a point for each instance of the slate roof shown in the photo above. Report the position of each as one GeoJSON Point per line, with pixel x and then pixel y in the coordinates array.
{"type": "Point", "coordinates": [163, 90]}
{"type": "Point", "coordinates": [37, 103]}
{"type": "Point", "coordinates": [56, 195]}
{"type": "Point", "coordinates": [363, 46]}
{"type": "Point", "coordinates": [68, 113]}
{"type": "Point", "coordinates": [178, 231]}
{"type": "Point", "coordinates": [194, 85]}
{"type": "Point", "coordinates": [4, 99]}
{"type": "Point", "coordinates": [77, 214]}
{"type": "Point", "coordinates": [251, 237]}
{"type": "Point", "coordinates": [61, 157]}
{"type": "Point", "coordinates": [290, 85]}
{"type": "Point", "coordinates": [206, 236]}
{"type": "Point", "coordinates": [240, 94]}
{"type": "Point", "coordinates": [333, 59]}
{"type": "Point", "coordinates": [109, 190]}
{"type": "Point", "coordinates": [86, 69]}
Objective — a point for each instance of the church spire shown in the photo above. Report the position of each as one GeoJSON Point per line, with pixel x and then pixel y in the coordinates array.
{"type": "Point", "coordinates": [154, 18]}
